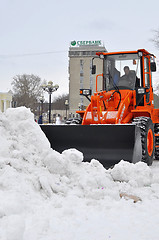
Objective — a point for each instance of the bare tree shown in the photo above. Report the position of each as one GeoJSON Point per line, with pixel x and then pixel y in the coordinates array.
{"type": "Point", "coordinates": [59, 102]}
{"type": "Point", "coordinates": [155, 39]}
{"type": "Point", "coordinates": [27, 90]}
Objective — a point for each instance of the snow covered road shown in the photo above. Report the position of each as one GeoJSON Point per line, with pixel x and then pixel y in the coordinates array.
{"type": "Point", "coordinates": [45, 195]}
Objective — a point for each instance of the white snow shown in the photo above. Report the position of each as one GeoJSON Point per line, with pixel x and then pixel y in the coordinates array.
{"type": "Point", "coordinates": [45, 195]}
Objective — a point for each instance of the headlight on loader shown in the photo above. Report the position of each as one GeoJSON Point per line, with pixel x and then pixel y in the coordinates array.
{"type": "Point", "coordinates": [85, 92]}
{"type": "Point", "coordinates": [141, 90]}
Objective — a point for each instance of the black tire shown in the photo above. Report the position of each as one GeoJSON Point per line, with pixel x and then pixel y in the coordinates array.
{"type": "Point", "coordinates": [147, 138]}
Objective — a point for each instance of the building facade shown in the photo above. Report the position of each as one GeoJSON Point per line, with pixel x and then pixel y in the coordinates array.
{"type": "Point", "coordinates": [5, 100]}
{"type": "Point", "coordinates": [81, 54]}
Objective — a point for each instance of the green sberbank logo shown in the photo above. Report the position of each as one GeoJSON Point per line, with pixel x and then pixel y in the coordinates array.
{"type": "Point", "coordinates": [73, 43]}
{"type": "Point", "coordinates": [85, 43]}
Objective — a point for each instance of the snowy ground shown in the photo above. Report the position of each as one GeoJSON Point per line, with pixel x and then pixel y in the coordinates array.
{"type": "Point", "coordinates": [45, 195]}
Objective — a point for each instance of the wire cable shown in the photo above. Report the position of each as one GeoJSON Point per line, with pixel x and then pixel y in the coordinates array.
{"type": "Point", "coordinates": [29, 54]}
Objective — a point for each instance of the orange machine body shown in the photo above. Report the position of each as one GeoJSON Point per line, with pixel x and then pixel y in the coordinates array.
{"type": "Point", "coordinates": [104, 107]}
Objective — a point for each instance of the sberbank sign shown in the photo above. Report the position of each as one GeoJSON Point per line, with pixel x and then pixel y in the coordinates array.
{"type": "Point", "coordinates": [85, 43]}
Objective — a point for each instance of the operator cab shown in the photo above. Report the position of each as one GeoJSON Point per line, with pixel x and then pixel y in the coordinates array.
{"type": "Point", "coordinates": [122, 71]}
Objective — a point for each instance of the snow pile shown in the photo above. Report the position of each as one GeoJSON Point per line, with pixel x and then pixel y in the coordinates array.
{"type": "Point", "coordinates": [137, 175]}
{"type": "Point", "coordinates": [48, 195]}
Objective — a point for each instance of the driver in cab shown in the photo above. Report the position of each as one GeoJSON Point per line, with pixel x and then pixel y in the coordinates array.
{"type": "Point", "coordinates": [129, 76]}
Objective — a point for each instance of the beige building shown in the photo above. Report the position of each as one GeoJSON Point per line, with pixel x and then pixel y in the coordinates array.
{"type": "Point", "coordinates": [80, 76]}
{"type": "Point", "coordinates": [5, 100]}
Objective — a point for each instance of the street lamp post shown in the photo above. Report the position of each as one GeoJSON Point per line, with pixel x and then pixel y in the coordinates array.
{"type": "Point", "coordinates": [50, 88]}
{"type": "Point", "coordinates": [66, 104]}
{"type": "Point", "coordinates": [50, 107]}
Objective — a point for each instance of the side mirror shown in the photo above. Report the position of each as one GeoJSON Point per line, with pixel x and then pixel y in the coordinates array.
{"type": "Point", "coordinates": [93, 69]}
{"type": "Point", "coordinates": [153, 66]}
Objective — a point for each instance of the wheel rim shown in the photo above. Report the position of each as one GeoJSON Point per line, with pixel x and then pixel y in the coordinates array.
{"type": "Point", "coordinates": [150, 142]}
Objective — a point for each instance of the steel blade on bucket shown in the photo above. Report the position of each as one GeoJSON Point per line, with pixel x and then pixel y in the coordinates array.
{"type": "Point", "coordinates": [106, 143]}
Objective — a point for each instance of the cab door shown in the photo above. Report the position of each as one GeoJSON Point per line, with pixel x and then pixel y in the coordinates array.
{"type": "Point", "coordinates": [147, 80]}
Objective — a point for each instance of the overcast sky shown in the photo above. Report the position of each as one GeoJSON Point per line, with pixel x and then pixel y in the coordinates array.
{"type": "Point", "coordinates": [48, 26]}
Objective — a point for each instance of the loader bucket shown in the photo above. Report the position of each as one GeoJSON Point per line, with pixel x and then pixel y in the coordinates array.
{"type": "Point", "coordinates": [106, 143]}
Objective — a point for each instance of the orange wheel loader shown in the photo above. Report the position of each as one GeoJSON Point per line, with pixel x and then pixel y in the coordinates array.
{"type": "Point", "coordinates": [120, 121]}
